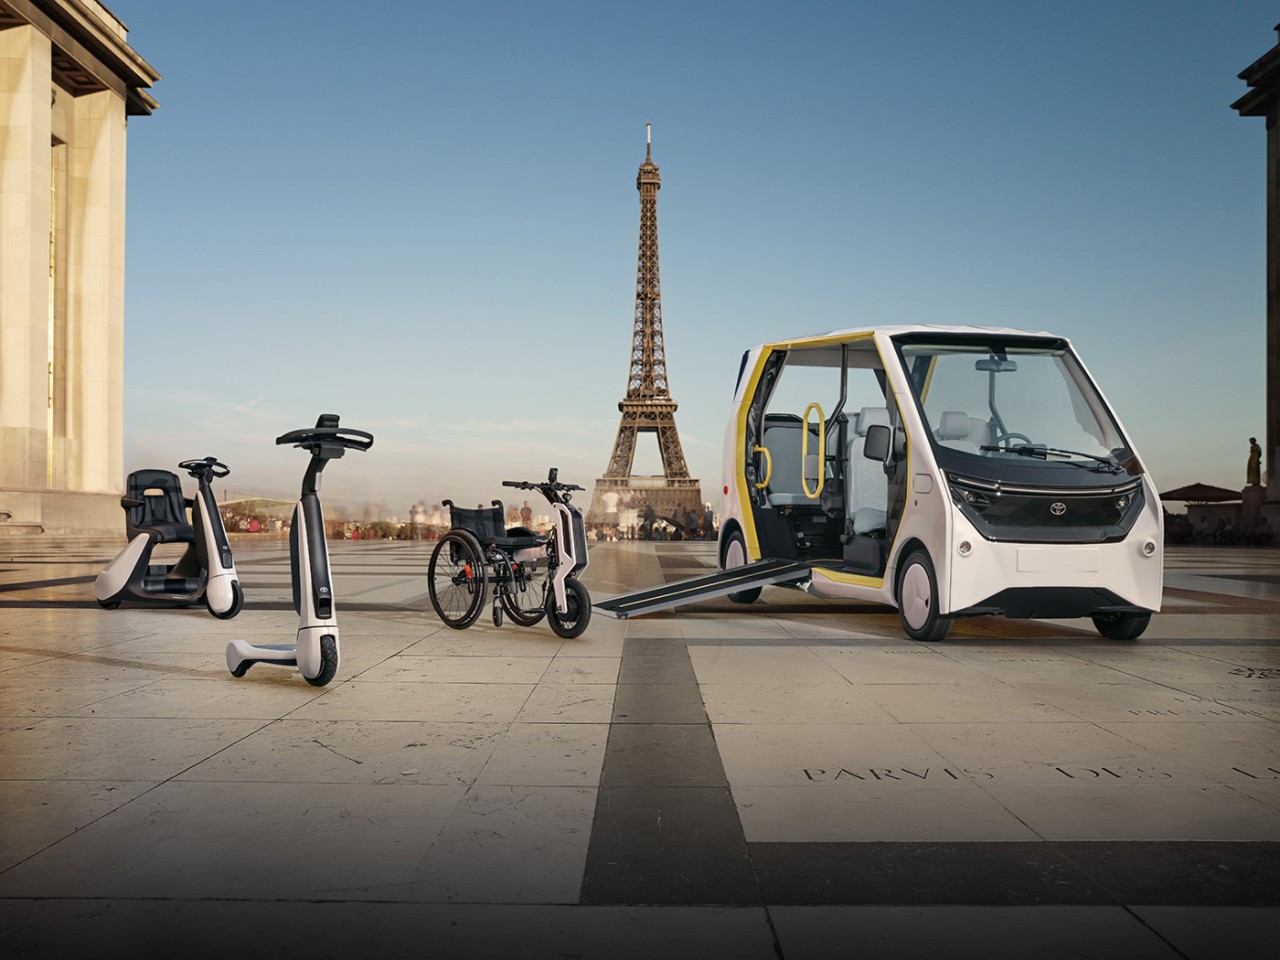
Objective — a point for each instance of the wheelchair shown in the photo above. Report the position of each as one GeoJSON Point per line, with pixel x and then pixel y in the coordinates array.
{"type": "Point", "coordinates": [532, 576]}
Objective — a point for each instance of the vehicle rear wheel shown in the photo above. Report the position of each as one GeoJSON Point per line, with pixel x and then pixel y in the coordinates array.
{"type": "Point", "coordinates": [1121, 626]}
{"type": "Point", "coordinates": [918, 600]}
{"type": "Point", "coordinates": [735, 555]}
{"type": "Point", "coordinates": [457, 580]}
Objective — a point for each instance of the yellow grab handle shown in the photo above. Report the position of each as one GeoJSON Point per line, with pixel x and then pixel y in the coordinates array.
{"type": "Point", "coordinates": [768, 466]}
{"type": "Point", "coordinates": [804, 452]}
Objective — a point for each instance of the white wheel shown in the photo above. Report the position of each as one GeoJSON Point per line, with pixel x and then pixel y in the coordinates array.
{"type": "Point", "coordinates": [918, 600]}
{"type": "Point", "coordinates": [735, 555]}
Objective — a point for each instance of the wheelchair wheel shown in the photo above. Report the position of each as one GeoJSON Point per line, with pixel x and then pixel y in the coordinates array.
{"type": "Point", "coordinates": [525, 597]}
{"type": "Point", "coordinates": [457, 580]}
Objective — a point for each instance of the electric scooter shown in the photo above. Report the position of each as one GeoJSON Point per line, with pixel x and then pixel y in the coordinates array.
{"type": "Point", "coordinates": [155, 512]}
{"type": "Point", "coordinates": [315, 652]}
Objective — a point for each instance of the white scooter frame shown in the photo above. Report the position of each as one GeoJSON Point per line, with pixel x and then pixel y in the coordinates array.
{"type": "Point", "coordinates": [571, 536]}
{"type": "Point", "coordinates": [571, 550]}
{"type": "Point", "coordinates": [315, 652]}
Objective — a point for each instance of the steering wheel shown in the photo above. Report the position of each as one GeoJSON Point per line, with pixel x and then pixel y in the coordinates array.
{"type": "Point", "coordinates": [209, 465]}
{"type": "Point", "coordinates": [1010, 436]}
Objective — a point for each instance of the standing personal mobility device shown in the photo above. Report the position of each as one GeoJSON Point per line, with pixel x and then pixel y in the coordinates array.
{"type": "Point", "coordinates": [155, 512]}
{"type": "Point", "coordinates": [520, 564]}
{"type": "Point", "coordinates": [315, 653]}
{"type": "Point", "coordinates": [958, 471]}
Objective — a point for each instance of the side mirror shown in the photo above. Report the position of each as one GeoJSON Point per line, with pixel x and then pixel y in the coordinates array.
{"type": "Point", "coordinates": [879, 439]}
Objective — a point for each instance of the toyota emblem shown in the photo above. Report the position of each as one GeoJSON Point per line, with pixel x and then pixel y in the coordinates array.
{"type": "Point", "coordinates": [1057, 508]}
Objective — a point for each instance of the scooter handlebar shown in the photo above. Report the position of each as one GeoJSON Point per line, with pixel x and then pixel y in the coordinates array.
{"type": "Point", "coordinates": [209, 465]}
{"type": "Point", "coordinates": [530, 485]}
{"type": "Point", "coordinates": [348, 437]}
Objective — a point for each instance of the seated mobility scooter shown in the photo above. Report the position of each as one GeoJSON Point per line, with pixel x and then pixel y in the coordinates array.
{"type": "Point", "coordinates": [315, 653]}
{"type": "Point", "coordinates": [155, 512]}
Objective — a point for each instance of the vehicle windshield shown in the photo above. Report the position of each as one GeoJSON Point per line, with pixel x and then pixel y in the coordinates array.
{"type": "Point", "coordinates": [1008, 401]}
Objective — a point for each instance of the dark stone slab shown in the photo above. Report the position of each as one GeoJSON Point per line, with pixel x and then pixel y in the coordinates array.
{"type": "Point", "coordinates": [668, 755]}
{"type": "Point", "coordinates": [658, 703]}
{"type": "Point", "coordinates": [1018, 874]}
{"type": "Point", "coordinates": [1174, 873]}
{"type": "Point", "coordinates": [668, 845]}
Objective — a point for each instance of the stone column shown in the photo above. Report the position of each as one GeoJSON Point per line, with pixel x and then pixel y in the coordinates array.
{"type": "Point", "coordinates": [94, 448]}
{"type": "Point", "coordinates": [1263, 100]}
{"type": "Point", "coordinates": [25, 206]}
{"type": "Point", "coordinates": [1271, 448]}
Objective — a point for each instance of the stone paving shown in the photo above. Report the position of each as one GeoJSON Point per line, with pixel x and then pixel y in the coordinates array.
{"type": "Point", "coordinates": [792, 779]}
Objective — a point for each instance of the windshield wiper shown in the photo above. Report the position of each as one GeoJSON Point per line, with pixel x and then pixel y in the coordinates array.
{"type": "Point", "coordinates": [1103, 464]}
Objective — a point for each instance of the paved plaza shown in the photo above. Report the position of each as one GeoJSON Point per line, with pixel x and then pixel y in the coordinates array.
{"type": "Point", "coordinates": [793, 779]}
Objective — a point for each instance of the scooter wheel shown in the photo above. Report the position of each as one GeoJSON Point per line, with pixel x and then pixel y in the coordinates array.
{"type": "Point", "coordinates": [328, 662]}
{"type": "Point", "coordinates": [237, 601]}
{"type": "Point", "coordinates": [108, 604]}
{"type": "Point", "coordinates": [1121, 626]}
{"type": "Point", "coordinates": [574, 620]}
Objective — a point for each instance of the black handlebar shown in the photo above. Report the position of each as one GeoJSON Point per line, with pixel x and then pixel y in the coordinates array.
{"type": "Point", "coordinates": [348, 437]}
{"type": "Point", "coordinates": [530, 485]}
{"type": "Point", "coordinates": [551, 488]}
{"type": "Point", "coordinates": [208, 467]}
{"type": "Point", "coordinates": [551, 484]}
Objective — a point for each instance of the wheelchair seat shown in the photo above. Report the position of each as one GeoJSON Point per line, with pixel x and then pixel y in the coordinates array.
{"type": "Point", "coordinates": [486, 525]}
{"type": "Point", "coordinates": [160, 514]}
{"type": "Point", "coordinates": [517, 538]}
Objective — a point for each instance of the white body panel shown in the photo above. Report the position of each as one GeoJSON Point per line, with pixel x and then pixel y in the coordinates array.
{"type": "Point", "coordinates": [565, 554]}
{"type": "Point", "coordinates": [311, 626]}
{"type": "Point", "coordinates": [220, 588]}
{"type": "Point", "coordinates": [111, 581]}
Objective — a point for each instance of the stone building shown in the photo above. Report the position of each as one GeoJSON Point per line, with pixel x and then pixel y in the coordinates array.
{"type": "Point", "coordinates": [1263, 100]}
{"type": "Point", "coordinates": [69, 81]}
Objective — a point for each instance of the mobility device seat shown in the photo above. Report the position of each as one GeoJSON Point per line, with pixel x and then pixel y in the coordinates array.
{"type": "Point", "coordinates": [161, 516]}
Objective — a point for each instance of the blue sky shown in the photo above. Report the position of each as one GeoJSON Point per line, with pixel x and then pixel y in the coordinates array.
{"type": "Point", "coordinates": [423, 217]}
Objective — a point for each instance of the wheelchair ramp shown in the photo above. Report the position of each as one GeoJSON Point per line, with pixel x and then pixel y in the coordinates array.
{"type": "Point", "coordinates": [762, 573]}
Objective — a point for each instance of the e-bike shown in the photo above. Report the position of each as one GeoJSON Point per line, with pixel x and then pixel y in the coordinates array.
{"type": "Point", "coordinates": [315, 652]}
{"type": "Point", "coordinates": [155, 512]}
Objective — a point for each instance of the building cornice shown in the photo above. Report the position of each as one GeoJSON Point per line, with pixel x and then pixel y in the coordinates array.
{"type": "Point", "coordinates": [90, 48]}
{"type": "Point", "coordinates": [1263, 77]}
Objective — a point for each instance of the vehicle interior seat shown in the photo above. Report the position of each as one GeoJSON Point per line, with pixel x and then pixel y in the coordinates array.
{"type": "Point", "coordinates": [953, 431]}
{"type": "Point", "coordinates": [980, 432]}
{"type": "Point", "coordinates": [867, 488]}
{"type": "Point", "coordinates": [784, 439]}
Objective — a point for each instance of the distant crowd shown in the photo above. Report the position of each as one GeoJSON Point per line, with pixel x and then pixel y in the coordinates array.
{"type": "Point", "coordinates": [1178, 529]}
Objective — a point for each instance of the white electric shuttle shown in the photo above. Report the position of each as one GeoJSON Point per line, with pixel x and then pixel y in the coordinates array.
{"type": "Point", "coordinates": [947, 471]}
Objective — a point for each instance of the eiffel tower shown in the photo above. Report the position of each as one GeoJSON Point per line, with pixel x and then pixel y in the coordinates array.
{"type": "Point", "coordinates": [647, 406]}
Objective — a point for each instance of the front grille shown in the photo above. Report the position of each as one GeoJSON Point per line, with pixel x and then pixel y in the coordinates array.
{"type": "Point", "coordinates": [1061, 514]}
